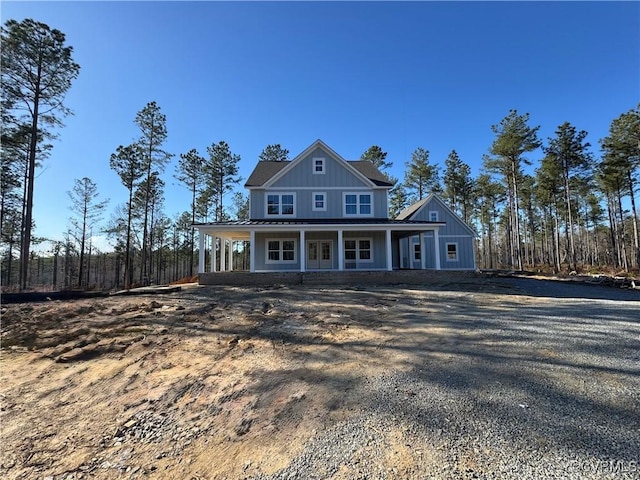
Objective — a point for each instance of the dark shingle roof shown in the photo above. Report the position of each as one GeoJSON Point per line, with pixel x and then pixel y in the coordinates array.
{"type": "Point", "coordinates": [263, 172]}
{"type": "Point", "coordinates": [266, 170]}
{"type": "Point", "coordinates": [408, 212]}
{"type": "Point", "coordinates": [370, 171]}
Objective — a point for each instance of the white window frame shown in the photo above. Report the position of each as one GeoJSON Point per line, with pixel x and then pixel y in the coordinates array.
{"type": "Point", "coordinates": [318, 162]}
{"type": "Point", "coordinates": [357, 204]}
{"type": "Point", "coordinates": [416, 252]}
{"type": "Point", "coordinates": [457, 252]}
{"type": "Point", "coordinates": [279, 195]}
{"type": "Point", "coordinates": [324, 202]}
{"type": "Point", "coordinates": [358, 260]}
{"type": "Point", "coordinates": [280, 250]}
{"type": "Point", "coordinates": [432, 214]}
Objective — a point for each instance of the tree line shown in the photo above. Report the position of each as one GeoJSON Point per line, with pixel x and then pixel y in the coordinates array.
{"type": "Point", "coordinates": [569, 214]}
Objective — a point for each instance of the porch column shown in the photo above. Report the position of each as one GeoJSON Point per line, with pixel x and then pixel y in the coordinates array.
{"type": "Point", "coordinates": [231, 254]}
{"type": "Point", "coordinates": [423, 251]}
{"type": "Point", "coordinates": [223, 254]}
{"type": "Point", "coordinates": [201, 252]}
{"type": "Point", "coordinates": [303, 250]}
{"type": "Point", "coordinates": [340, 251]}
{"type": "Point", "coordinates": [389, 252]}
{"type": "Point", "coordinates": [252, 252]}
{"type": "Point", "coordinates": [212, 268]}
{"type": "Point", "coordinates": [436, 240]}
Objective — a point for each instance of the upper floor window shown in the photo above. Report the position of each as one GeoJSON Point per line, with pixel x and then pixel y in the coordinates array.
{"type": "Point", "coordinates": [319, 202]}
{"type": "Point", "coordinates": [433, 216]}
{"type": "Point", "coordinates": [318, 166]}
{"type": "Point", "coordinates": [281, 204]}
{"type": "Point", "coordinates": [358, 204]}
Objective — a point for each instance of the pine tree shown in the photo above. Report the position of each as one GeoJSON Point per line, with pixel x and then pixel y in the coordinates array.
{"type": "Point", "coordinates": [37, 71]}
{"type": "Point", "coordinates": [421, 177]}
{"type": "Point", "coordinates": [87, 212]}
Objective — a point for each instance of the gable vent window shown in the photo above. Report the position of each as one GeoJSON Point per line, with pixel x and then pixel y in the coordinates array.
{"type": "Point", "coordinates": [433, 216]}
{"type": "Point", "coordinates": [358, 204]}
{"type": "Point", "coordinates": [318, 166]}
{"type": "Point", "coordinates": [281, 204]}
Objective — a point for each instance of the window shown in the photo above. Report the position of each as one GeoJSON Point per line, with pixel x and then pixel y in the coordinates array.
{"type": "Point", "coordinates": [358, 250]}
{"type": "Point", "coordinates": [281, 251]}
{"type": "Point", "coordinates": [358, 204]}
{"type": "Point", "coordinates": [452, 252]}
{"type": "Point", "coordinates": [433, 216]}
{"type": "Point", "coordinates": [417, 252]}
{"type": "Point", "coordinates": [318, 166]}
{"type": "Point", "coordinates": [281, 204]}
{"type": "Point", "coordinates": [319, 202]}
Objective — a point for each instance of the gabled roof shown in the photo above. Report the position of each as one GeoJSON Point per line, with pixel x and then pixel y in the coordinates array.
{"type": "Point", "coordinates": [412, 210]}
{"type": "Point", "coordinates": [268, 172]}
{"type": "Point", "coordinates": [263, 172]}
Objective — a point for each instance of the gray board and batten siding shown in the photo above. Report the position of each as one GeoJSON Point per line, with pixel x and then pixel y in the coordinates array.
{"type": "Point", "coordinates": [455, 231]}
{"type": "Point", "coordinates": [336, 180]}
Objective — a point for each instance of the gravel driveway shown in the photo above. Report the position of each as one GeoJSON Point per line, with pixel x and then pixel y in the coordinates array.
{"type": "Point", "coordinates": [543, 382]}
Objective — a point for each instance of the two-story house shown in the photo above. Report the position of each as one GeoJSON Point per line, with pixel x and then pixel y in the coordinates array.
{"type": "Point", "coordinates": [321, 212]}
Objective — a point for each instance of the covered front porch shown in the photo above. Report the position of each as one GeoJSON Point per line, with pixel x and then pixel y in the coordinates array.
{"type": "Point", "coordinates": [309, 247]}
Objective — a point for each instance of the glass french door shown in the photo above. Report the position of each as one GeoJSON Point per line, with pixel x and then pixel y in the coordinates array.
{"type": "Point", "coordinates": [319, 254]}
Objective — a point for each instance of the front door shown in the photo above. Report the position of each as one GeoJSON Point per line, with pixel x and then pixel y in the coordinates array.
{"type": "Point", "coordinates": [319, 254]}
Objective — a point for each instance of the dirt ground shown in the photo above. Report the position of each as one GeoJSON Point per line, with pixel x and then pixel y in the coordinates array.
{"type": "Point", "coordinates": [211, 382]}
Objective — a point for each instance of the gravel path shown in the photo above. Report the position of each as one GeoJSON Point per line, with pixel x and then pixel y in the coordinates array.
{"type": "Point", "coordinates": [548, 389]}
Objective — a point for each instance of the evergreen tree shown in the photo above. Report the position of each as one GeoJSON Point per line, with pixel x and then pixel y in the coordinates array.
{"type": "Point", "coordinates": [37, 71]}
{"type": "Point", "coordinates": [128, 164]}
{"type": "Point", "coordinates": [153, 134]}
{"type": "Point", "coordinates": [274, 153]}
{"type": "Point", "coordinates": [458, 185]}
{"type": "Point", "coordinates": [569, 151]}
{"type": "Point", "coordinates": [87, 212]}
{"type": "Point", "coordinates": [513, 139]}
{"type": "Point", "coordinates": [191, 173]}
{"type": "Point", "coordinates": [221, 174]}
{"type": "Point", "coordinates": [421, 177]}
{"type": "Point", "coordinates": [621, 150]}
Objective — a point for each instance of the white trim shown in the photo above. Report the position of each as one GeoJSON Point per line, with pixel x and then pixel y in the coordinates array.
{"type": "Point", "coordinates": [252, 251]}
{"type": "Point", "coordinates": [318, 144]}
{"type": "Point", "coordinates": [313, 201]}
{"type": "Point", "coordinates": [446, 207]}
{"type": "Point", "coordinates": [201, 253]}
{"type": "Point", "coordinates": [340, 251]}
{"type": "Point", "coordinates": [457, 259]}
{"type": "Point", "coordinates": [414, 258]}
{"type": "Point", "coordinates": [238, 230]}
{"type": "Point", "coordinates": [322, 165]}
{"type": "Point", "coordinates": [389, 250]}
{"type": "Point", "coordinates": [303, 254]}
{"type": "Point", "coordinates": [436, 242]}
{"type": "Point", "coordinates": [280, 250]}
{"type": "Point", "coordinates": [358, 204]}
{"type": "Point", "coordinates": [279, 214]}
{"type": "Point", "coordinates": [295, 189]}
{"type": "Point", "coordinates": [456, 236]}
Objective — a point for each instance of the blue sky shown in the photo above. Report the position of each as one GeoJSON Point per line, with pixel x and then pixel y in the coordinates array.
{"type": "Point", "coordinates": [435, 75]}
